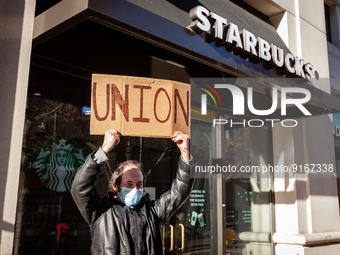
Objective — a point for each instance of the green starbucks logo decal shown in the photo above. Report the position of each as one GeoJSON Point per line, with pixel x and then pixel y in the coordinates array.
{"type": "Point", "coordinates": [57, 164]}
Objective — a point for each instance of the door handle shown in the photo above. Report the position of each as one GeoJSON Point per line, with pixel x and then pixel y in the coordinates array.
{"type": "Point", "coordinates": [182, 236]}
{"type": "Point", "coordinates": [171, 236]}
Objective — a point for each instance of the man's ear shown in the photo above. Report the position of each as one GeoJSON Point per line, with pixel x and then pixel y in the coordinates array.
{"type": "Point", "coordinates": [116, 188]}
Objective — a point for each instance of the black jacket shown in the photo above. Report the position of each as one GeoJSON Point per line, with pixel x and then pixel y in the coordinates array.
{"type": "Point", "coordinates": [106, 216]}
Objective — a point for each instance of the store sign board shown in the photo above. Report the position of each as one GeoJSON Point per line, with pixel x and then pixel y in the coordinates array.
{"type": "Point", "coordinates": [225, 33]}
{"type": "Point", "coordinates": [137, 106]}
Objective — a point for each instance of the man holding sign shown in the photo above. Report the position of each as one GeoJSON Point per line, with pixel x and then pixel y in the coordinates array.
{"type": "Point", "coordinates": [127, 222]}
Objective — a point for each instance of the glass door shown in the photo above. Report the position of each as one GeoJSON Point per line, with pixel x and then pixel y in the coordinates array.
{"type": "Point", "coordinates": [227, 209]}
{"type": "Point", "coordinates": [248, 198]}
{"type": "Point", "coordinates": [193, 224]}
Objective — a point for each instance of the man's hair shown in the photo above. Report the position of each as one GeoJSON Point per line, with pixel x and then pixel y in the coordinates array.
{"type": "Point", "coordinates": [116, 177]}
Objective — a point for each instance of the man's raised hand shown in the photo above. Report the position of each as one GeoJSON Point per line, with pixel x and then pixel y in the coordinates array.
{"type": "Point", "coordinates": [111, 138]}
{"type": "Point", "coordinates": [182, 141]}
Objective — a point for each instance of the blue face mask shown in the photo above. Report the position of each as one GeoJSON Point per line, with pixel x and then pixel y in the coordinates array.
{"type": "Point", "coordinates": [131, 197]}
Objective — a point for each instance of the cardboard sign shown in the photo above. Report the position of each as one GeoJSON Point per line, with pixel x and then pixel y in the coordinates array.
{"type": "Point", "coordinates": [138, 106]}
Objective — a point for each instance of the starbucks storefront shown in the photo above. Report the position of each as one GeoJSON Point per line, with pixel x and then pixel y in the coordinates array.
{"type": "Point", "coordinates": [224, 214]}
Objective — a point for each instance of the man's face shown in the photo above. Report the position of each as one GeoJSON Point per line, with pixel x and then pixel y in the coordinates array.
{"type": "Point", "coordinates": [132, 178]}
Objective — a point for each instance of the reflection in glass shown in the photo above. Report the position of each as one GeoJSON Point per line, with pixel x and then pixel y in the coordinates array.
{"type": "Point", "coordinates": [56, 141]}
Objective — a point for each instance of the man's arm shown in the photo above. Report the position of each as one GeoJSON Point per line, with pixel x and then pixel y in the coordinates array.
{"type": "Point", "coordinates": [83, 188]}
{"type": "Point", "coordinates": [181, 187]}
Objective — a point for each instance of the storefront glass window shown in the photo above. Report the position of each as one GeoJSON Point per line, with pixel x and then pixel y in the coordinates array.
{"type": "Point", "coordinates": [248, 200]}
{"type": "Point", "coordinates": [196, 214]}
{"type": "Point", "coordinates": [56, 143]}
